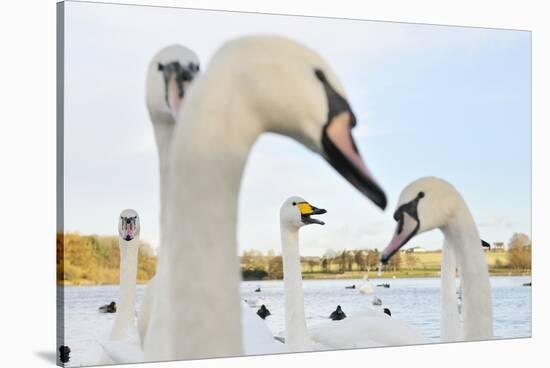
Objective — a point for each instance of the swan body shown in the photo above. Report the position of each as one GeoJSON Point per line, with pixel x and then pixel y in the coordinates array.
{"type": "Point", "coordinates": [256, 336]}
{"type": "Point", "coordinates": [429, 203]}
{"type": "Point", "coordinates": [366, 329]}
{"type": "Point", "coordinates": [252, 85]}
{"type": "Point", "coordinates": [255, 302]}
{"type": "Point", "coordinates": [366, 288]}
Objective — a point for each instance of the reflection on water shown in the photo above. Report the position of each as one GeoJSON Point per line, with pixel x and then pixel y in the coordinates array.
{"type": "Point", "coordinates": [413, 300]}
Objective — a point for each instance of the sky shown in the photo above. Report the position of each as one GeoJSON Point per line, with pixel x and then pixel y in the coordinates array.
{"type": "Point", "coordinates": [451, 102]}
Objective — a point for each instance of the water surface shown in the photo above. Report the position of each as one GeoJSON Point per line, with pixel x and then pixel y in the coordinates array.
{"type": "Point", "coordinates": [414, 300]}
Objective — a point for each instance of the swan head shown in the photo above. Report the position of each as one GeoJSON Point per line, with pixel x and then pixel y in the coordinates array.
{"type": "Point", "coordinates": [425, 204]}
{"type": "Point", "coordinates": [291, 90]}
{"type": "Point", "coordinates": [128, 225]}
{"type": "Point", "coordinates": [168, 78]}
{"type": "Point", "coordinates": [296, 212]}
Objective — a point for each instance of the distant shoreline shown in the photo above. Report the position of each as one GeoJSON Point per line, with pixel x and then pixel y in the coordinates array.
{"type": "Point", "coordinates": [353, 275]}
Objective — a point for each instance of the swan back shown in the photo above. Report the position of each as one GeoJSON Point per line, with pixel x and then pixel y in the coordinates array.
{"type": "Point", "coordinates": [369, 329]}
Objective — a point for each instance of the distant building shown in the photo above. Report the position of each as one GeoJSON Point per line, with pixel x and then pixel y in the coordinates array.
{"type": "Point", "coordinates": [416, 250]}
{"type": "Point", "coordinates": [310, 259]}
{"type": "Point", "coordinates": [499, 246]}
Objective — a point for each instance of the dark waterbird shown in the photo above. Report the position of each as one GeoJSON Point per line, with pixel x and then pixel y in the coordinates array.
{"type": "Point", "coordinates": [258, 290]}
{"type": "Point", "coordinates": [385, 285]}
{"type": "Point", "coordinates": [527, 284]}
{"type": "Point", "coordinates": [263, 312]}
{"type": "Point", "coordinates": [350, 287]}
{"type": "Point", "coordinates": [387, 311]}
{"type": "Point", "coordinates": [338, 314]}
{"type": "Point", "coordinates": [108, 308]}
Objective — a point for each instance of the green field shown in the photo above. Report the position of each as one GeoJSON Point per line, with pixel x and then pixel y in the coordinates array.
{"type": "Point", "coordinates": [427, 264]}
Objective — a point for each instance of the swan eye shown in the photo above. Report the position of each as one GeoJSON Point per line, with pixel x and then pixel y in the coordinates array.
{"type": "Point", "coordinates": [294, 203]}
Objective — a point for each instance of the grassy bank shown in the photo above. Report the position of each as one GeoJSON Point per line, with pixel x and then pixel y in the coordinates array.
{"type": "Point", "coordinates": [399, 274]}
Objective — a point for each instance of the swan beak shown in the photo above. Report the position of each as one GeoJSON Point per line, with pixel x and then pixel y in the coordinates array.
{"type": "Point", "coordinates": [307, 210]}
{"type": "Point", "coordinates": [128, 228]}
{"type": "Point", "coordinates": [342, 154]}
{"type": "Point", "coordinates": [177, 79]}
{"type": "Point", "coordinates": [407, 228]}
{"type": "Point", "coordinates": [176, 89]}
{"type": "Point", "coordinates": [127, 235]}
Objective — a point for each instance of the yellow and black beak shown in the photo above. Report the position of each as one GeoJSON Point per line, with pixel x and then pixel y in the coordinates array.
{"type": "Point", "coordinates": [307, 210]}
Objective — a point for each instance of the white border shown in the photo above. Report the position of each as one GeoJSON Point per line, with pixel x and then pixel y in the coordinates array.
{"type": "Point", "coordinates": [27, 189]}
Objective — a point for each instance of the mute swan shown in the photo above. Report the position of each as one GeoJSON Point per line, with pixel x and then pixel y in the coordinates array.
{"type": "Point", "coordinates": [252, 85]}
{"type": "Point", "coordinates": [128, 229]}
{"type": "Point", "coordinates": [365, 329]}
{"type": "Point", "coordinates": [366, 288]}
{"type": "Point", "coordinates": [169, 75]}
{"type": "Point", "coordinates": [451, 305]}
{"type": "Point", "coordinates": [430, 203]}
{"type": "Point", "coordinates": [169, 78]}
{"type": "Point", "coordinates": [123, 346]}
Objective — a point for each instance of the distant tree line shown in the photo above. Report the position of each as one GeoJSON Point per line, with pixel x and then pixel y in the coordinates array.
{"type": "Point", "coordinates": [94, 259]}
{"type": "Point", "coordinates": [258, 266]}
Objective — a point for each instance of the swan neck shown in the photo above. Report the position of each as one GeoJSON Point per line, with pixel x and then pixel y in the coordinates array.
{"type": "Point", "coordinates": [450, 320]}
{"type": "Point", "coordinates": [163, 135]}
{"type": "Point", "coordinates": [462, 235]}
{"type": "Point", "coordinates": [124, 321]}
{"type": "Point", "coordinates": [204, 175]}
{"type": "Point", "coordinates": [297, 338]}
